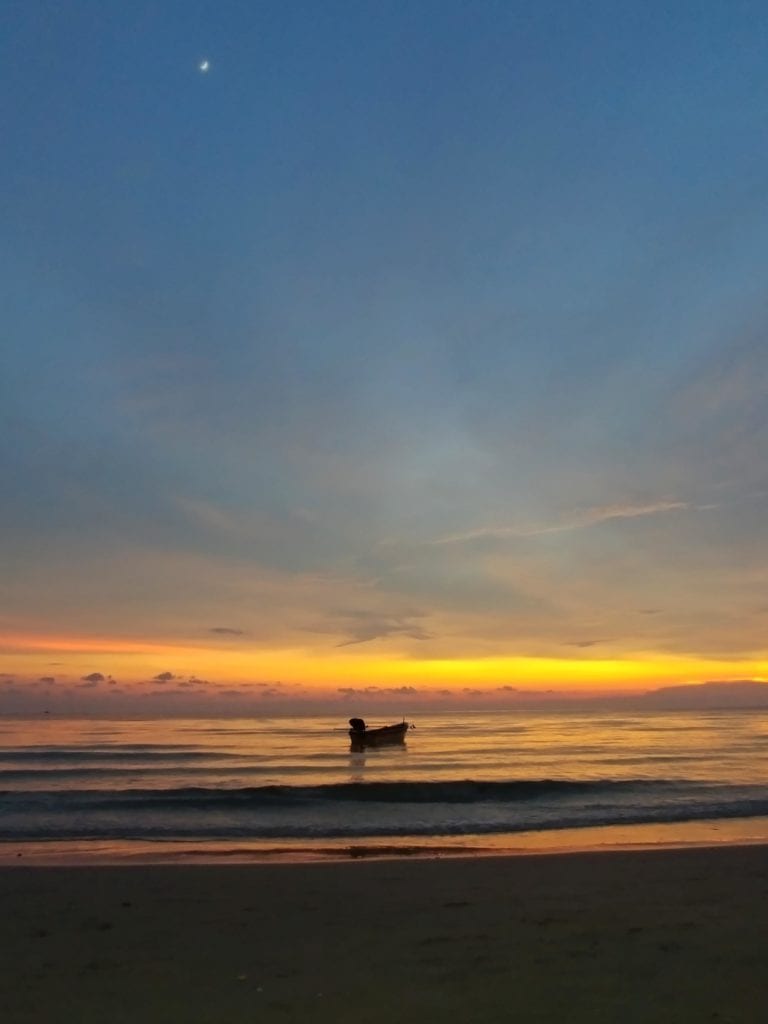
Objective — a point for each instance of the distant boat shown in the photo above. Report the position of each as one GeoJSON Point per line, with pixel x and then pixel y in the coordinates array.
{"type": "Point", "coordinates": [361, 736]}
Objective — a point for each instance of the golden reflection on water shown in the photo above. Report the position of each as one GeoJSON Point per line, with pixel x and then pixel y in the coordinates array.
{"type": "Point", "coordinates": [711, 746]}
{"type": "Point", "coordinates": [721, 746]}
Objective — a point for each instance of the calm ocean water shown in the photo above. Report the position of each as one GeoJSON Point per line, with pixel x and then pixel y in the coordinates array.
{"type": "Point", "coordinates": [273, 780]}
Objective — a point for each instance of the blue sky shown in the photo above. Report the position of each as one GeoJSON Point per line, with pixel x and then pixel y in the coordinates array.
{"type": "Point", "coordinates": [437, 327]}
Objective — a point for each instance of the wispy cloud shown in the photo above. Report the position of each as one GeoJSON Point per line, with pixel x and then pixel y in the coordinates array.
{"type": "Point", "coordinates": [578, 520]}
{"type": "Point", "coordinates": [583, 643]}
{"type": "Point", "coordinates": [362, 627]}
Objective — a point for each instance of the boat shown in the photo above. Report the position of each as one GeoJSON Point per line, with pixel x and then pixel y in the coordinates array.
{"type": "Point", "coordinates": [361, 736]}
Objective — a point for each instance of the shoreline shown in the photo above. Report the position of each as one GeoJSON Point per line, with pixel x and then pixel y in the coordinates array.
{"type": "Point", "coordinates": [645, 837]}
{"type": "Point", "coordinates": [673, 936]}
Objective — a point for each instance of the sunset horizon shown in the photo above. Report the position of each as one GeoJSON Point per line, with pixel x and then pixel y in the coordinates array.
{"type": "Point", "coordinates": [121, 675]}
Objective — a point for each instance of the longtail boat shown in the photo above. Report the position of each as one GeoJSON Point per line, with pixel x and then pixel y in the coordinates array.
{"type": "Point", "coordinates": [361, 736]}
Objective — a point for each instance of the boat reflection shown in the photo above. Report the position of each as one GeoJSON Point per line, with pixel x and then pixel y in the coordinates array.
{"type": "Point", "coordinates": [356, 765]}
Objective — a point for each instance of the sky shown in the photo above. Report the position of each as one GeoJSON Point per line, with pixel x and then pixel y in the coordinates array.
{"type": "Point", "coordinates": [411, 348]}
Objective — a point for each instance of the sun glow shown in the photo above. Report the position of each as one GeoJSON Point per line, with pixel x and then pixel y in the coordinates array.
{"type": "Point", "coordinates": [134, 661]}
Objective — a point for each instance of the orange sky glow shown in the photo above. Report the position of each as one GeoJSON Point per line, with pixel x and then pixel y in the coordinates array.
{"type": "Point", "coordinates": [108, 668]}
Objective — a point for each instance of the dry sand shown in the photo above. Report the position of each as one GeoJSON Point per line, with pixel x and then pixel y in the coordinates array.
{"type": "Point", "coordinates": [654, 937]}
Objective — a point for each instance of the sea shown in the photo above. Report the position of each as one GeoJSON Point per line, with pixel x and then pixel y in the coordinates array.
{"type": "Point", "coordinates": [469, 782]}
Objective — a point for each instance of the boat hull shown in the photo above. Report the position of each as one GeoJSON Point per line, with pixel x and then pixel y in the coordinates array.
{"type": "Point", "coordinates": [387, 734]}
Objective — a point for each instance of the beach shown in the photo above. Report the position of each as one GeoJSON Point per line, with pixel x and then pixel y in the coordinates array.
{"type": "Point", "coordinates": [674, 935]}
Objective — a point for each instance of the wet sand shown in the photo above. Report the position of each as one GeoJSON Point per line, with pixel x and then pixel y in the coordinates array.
{"type": "Point", "coordinates": [641, 937]}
